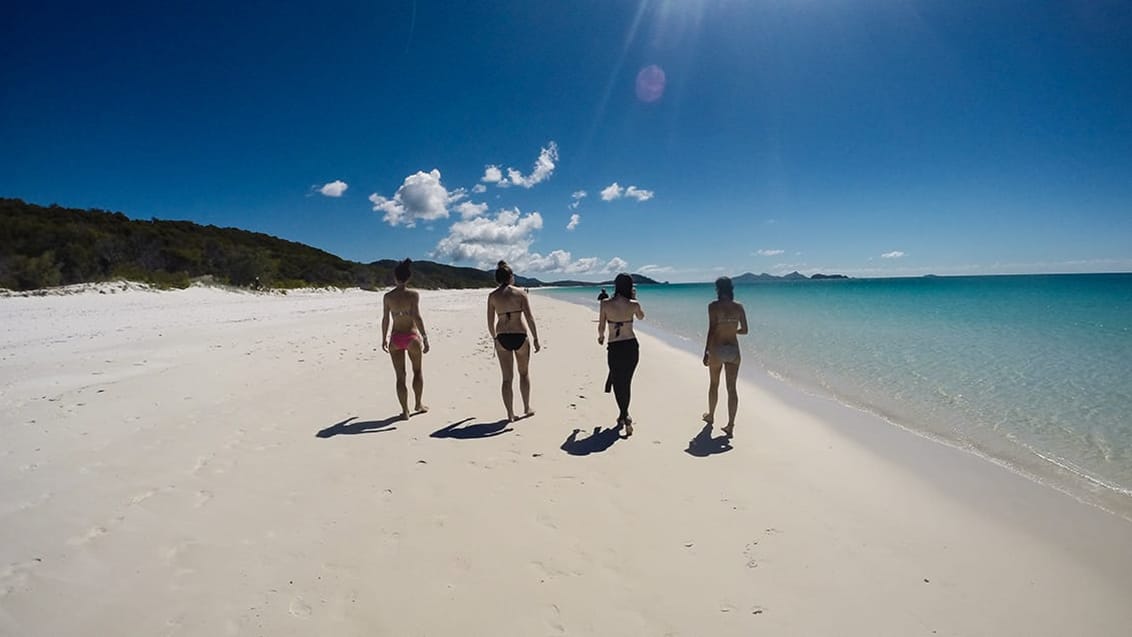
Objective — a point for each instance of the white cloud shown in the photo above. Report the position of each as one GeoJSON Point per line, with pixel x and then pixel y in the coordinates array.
{"type": "Point", "coordinates": [544, 168]}
{"type": "Point", "coordinates": [654, 269]}
{"type": "Point", "coordinates": [769, 253]}
{"type": "Point", "coordinates": [575, 219]}
{"type": "Point", "coordinates": [492, 174]}
{"type": "Point", "coordinates": [615, 191]}
{"type": "Point", "coordinates": [334, 188]}
{"type": "Point", "coordinates": [617, 264]}
{"type": "Point", "coordinates": [420, 198]}
{"type": "Point", "coordinates": [611, 192]}
{"type": "Point", "coordinates": [508, 235]}
{"type": "Point", "coordinates": [638, 193]}
{"type": "Point", "coordinates": [577, 196]}
{"type": "Point", "coordinates": [895, 254]}
{"type": "Point", "coordinates": [486, 240]}
{"type": "Point", "coordinates": [468, 209]}
{"type": "Point", "coordinates": [479, 188]}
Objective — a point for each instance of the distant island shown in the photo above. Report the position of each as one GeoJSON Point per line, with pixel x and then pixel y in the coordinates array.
{"type": "Point", "coordinates": [47, 246]}
{"type": "Point", "coordinates": [748, 277]}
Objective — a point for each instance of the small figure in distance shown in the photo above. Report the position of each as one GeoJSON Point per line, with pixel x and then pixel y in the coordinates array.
{"type": "Point", "coordinates": [603, 295]}
{"type": "Point", "coordinates": [403, 306]}
{"type": "Point", "coordinates": [726, 321]}
{"type": "Point", "coordinates": [623, 352]}
{"type": "Point", "coordinates": [507, 307]}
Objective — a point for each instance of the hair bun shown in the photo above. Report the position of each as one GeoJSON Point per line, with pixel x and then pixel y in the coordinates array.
{"type": "Point", "coordinates": [501, 264]}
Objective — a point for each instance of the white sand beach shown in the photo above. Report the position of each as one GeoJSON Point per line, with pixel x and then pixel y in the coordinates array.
{"type": "Point", "coordinates": [205, 462]}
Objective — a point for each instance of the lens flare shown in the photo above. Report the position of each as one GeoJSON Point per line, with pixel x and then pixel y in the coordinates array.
{"type": "Point", "coordinates": [650, 83]}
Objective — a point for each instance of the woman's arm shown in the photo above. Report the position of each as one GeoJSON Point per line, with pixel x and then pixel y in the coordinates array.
{"type": "Point", "coordinates": [490, 318]}
{"type": "Point", "coordinates": [710, 333]}
{"type": "Point", "coordinates": [530, 320]}
{"type": "Point", "coordinates": [638, 311]}
{"type": "Point", "coordinates": [601, 323]}
{"type": "Point", "coordinates": [419, 321]}
{"type": "Point", "coordinates": [742, 320]}
{"type": "Point", "coordinates": [385, 324]}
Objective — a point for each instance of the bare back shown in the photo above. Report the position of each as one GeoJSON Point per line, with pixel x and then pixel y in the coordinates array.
{"type": "Point", "coordinates": [726, 321]}
{"type": "Point", "coordinates": [619, 313]}
{"type": "Point", "coordinates": [401, 305]}
{"type": "Point", "coordinates": [509, 304]}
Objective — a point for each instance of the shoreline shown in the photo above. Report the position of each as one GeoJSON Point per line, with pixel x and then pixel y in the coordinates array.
{"type": "Point", "coordinates": [1073, 483]}
{"type": "Point", "coordinates": [197, 462]}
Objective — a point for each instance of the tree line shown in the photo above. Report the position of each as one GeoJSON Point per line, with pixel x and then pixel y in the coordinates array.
{"type": "Point", "coordinates": [45, 246]}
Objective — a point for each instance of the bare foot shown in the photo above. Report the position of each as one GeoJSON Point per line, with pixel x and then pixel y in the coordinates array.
{"type": "Point", "coordinates": [420, 409]}
{"type": "Point", "coordinates": [628, 427]}
{"type": "Point", "coordinates": [730, 430]}
{"type": "Point", "coordinates": [528, 413]}
{"type": "Point", "coordinates": [708, 418]}
{"type": "Point", "coordinates": [405, 415]}
{"type": "Point", "coordinates": [511, 418]}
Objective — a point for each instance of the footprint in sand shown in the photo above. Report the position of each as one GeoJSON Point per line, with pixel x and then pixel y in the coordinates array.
{"type": "Point", "coordinates": [203, 498]}
{"type": "Point", "coordinates": [300, 608]}
{"type": "Point", "coordinates": [143, 496]}
{"type": "Point", "coordinates": [15, 576]}
{"type": "Point", "coordinates": [555, 622]}
{"type": "Point", "coordinates": [749, 553]}
{"type": "Point", "coordinates": [29, 504]}
{"type": "Point", "coordinates": [89, 536]}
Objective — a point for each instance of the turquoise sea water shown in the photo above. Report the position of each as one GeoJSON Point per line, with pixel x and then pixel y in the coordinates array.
{"type": "Point", "coordinates": [1033, 371]}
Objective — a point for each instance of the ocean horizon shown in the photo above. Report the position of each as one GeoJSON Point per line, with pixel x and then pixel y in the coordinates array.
{"type": "Point", "coordinates": [1033, 372]}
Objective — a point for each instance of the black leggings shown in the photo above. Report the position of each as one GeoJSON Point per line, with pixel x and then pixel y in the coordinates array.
{"type": "Point", "coordinates": [622, 357]}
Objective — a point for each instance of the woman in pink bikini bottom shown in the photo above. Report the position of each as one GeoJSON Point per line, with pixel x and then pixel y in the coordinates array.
{"type": "Point", "coordinates": [401, 306]}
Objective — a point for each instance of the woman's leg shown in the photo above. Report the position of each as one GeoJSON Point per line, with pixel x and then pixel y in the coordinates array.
{"type": "Point", "coordinates": [714, 368]}
{"type": "Point", "coordinates": [623, 357]}
{"type": "Point", "coordinates": [398, 357]}
{"type": "Point", "coordinates": [415, 354]}
{"type": "Point", "coordinates": [732, 370]}
{"type": "Point", "coordinates": [522, 360]}
{"type": "Point", "coordinates": [507, 367]}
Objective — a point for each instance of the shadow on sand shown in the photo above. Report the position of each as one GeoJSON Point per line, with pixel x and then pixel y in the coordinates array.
{"type": "Point", "coordinates": [364, 427]}
{"type": "Point", "coordinates": [478, 430]}
{"type": "Point", "coordinates": [703, 445]}
{"type": "Point", "coordinates": [598, 441]}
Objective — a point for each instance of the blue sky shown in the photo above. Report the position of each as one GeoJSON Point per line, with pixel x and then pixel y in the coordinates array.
{"type": "Point", "coordinates": [868, 137]}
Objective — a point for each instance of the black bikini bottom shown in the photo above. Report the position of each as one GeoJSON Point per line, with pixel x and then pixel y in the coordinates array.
{"type": "Point", "coordinates": [511, 342]}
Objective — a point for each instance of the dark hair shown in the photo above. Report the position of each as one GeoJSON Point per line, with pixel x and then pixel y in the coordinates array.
{"type": "Point", "coordinates": [503, 273]}
{"type": "Point", "coordinates": [403, 270]}
{"type": "Point", "coordinates": [724, 289]}
{"type": "Point", "coordinates": [623, 286]}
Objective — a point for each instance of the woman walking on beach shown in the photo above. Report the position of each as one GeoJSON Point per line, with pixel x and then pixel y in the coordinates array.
{"type": "Point", "coordinates": [408, 335]}
{"type": "Point", "coordinates": [622, 353]}
{"type": "Point", "coordinates": [726, 321]}
{"type": "Point", "coordinates": [507, 306]}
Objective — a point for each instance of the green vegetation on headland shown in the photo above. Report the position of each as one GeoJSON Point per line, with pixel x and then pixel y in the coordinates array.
{"type": "Point", "coordinates": [46, 246]}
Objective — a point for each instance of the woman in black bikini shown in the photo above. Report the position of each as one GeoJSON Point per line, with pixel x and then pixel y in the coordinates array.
{"type": "Point", "coordinates": [402, 305]}
{"type": "Point", "coordinates": [622, 351]}
{"type": "Point", "coordinates": [726, 321]}
{"type": "Point", "coordinates": [510, 305]}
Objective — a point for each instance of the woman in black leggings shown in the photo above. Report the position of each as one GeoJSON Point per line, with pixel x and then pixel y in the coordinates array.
{"type": "Point", "coordinates": [618, 312]}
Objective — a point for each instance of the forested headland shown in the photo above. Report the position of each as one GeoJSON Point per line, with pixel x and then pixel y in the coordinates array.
{"type": "Point", "coordinates": [45, 246]}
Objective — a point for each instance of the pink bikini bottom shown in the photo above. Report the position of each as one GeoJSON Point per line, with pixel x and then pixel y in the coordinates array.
{"type": "Point", "coordinates": [402, 340]}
